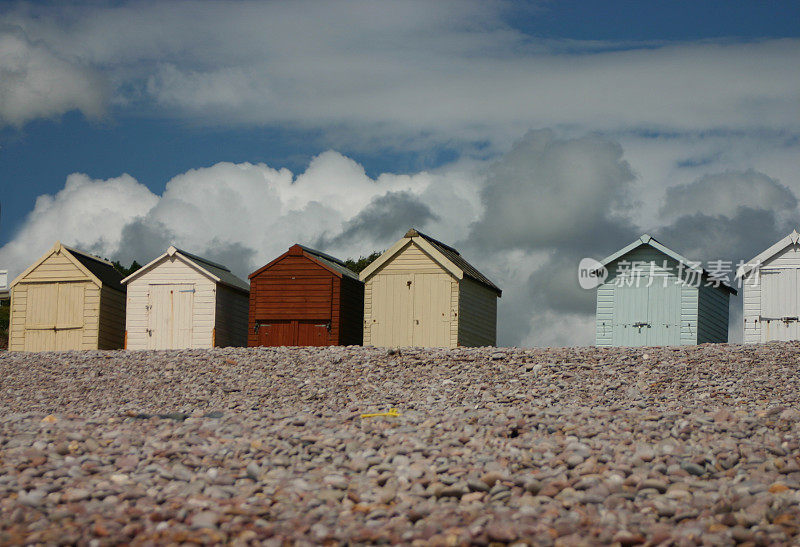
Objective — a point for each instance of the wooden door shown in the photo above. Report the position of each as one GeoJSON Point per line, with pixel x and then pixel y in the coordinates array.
{"type": "Point", "coordinates": [312, 333]}
{"type": "Point", "coordinates": [392, 310]}
{"type": "Point", "coordinates": [276, 333]}
{"type": "Point", "coordinates": [431, 304]}
{"type": "Point", "coordinates": [170, 316]}
{"type": "Point", "coordinates": [40, 317]}
{"type": "Point", "coordinates": [664, 313]}
{"type": "Point", "coordinates": [294, 333]}
{"type": "Point", "coordinates": [54, 319]}
{"type": "Point", "coordinates": [630, 315]}
{"type": "Point", "coordinates": [647, 316]}
{"type": "Point", "coordinates": [779, 304]}
{"type": "Point", "coordinates": [69, 330]}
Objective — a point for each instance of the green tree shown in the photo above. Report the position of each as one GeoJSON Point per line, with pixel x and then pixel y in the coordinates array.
{"type": "Point", "coordinates": [126, 271]}
{"type": "Point", "coordinates": [358, 264]}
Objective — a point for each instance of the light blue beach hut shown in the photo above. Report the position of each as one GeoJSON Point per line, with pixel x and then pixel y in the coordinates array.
{"type": "Point", "coordinates": [652, 296]}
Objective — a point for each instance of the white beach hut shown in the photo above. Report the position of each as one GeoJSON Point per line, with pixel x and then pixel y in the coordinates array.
{"type": "Point", "coordinates": [771, 288]}
{"type": "Point", "coordinates": [180, 300]}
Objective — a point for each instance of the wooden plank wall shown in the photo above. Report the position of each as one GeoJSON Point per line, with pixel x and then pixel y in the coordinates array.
{"type": "Point", "coordinates": [232, 312]}
{"type": "Point", "coordinates": [477, 325]}
{"type": "Point", "coordinates": [295, 288]}
{"type": "Point", "coordinates": [112, 319]}
{"type": "Point", "coordinates": [712, 315]}
{"type": "Point", "coordinates": [352, 312]}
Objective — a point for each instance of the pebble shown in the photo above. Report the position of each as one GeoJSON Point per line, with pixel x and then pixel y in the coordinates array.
{"type": "Point", "coordinates": [508, 446]}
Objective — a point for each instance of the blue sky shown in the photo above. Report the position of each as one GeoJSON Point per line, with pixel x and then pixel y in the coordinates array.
{"type": "Point", "coordinates": [145, 123]}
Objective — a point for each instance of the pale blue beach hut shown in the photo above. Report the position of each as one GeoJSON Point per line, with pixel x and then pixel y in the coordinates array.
{"type": "Point", "coordinates": [653, 296]}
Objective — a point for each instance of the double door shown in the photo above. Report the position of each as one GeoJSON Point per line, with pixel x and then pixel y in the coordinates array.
{"type": "Point", "coordinates": [780, 304]}
{"type": "Point", "coordinates": [647, 316]}
{"type": "Point", "coordinates": [411, 309]}
{"type": "Point", "coordinates": [54, 319]}
{"type": "Point", "coordinates": [170, 316]}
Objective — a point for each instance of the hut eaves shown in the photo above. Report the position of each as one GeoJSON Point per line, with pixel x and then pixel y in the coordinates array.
{"type": "Point", "coordinates": [217, 272]}
{"type": "Point", "coordinates": [791, 239]}
{"type": "Point", "coordinates": [101, 272]}
{"type": "Point", "coordinates": [448, 257]}
{"type": "Point", "coordinates": [649, 240]}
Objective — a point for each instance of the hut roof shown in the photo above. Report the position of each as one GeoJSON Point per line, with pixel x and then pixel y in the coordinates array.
{"type": "Point", "coordinates": [331, 262]}
{"type": "Point", "coordinates": [758, 261]}
{"type": "Point", "coordinates": [652, 242]}
{"type": "Point", "coordinates": [102, 269]}
{"type": "Point", "coordinates": [445, 255]}
{"type": "Point", "coordinates": [217, 272]}
{"type": "Point", "coordinates": [102, 272]}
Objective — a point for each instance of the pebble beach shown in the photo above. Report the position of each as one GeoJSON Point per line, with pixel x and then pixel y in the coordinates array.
{"type": "Point", "coordinates": [568, 446]}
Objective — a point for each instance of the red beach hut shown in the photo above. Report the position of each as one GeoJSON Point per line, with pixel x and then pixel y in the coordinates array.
{"type": "Point", "coordinates": [305, 298]}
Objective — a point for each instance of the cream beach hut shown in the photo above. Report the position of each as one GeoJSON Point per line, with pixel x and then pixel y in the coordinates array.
{"type": "Point", "coordinates": [421, 292]}
{"type": "Point", "coordinates": [771, 288]}
{"type": "Point", "coordinates": [180, 300]}
{"type": "Point", "coordinates": [67, 300]}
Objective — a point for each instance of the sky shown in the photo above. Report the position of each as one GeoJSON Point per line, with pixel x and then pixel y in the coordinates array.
{"type": "Point", "coordinates": [527, 134]}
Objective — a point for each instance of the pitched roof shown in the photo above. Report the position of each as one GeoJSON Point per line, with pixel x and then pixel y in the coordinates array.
{"type": "Point", "coordinates": [761, 259]}
{"type": "Point", "coordinates": [331, 262]}
{"type": "Point", "coordinates": [652, 242]}
{"type": "Point", "coordinates": [102, 269]}
{"type": "Point", "coordinates": [225, 276]}
{"type": "Point", "coordinates": [447, 256]}
{"type": "Point", "coordinates": [455, 257]}
{"type": "Point", "coordinates": [218, 272]}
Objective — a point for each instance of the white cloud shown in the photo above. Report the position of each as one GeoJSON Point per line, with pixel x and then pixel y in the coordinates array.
{"type": "Point", "coordinates": [722, 194]}
{"type": "Point", "coordinates": [35, 82]}
{"type": "Point", "coordinates": [252, 207]}
{"type": "Point", "coordinates": [438, 72]}
{"type": "Point", "coordinates": [573, 190]}
{"type": "Point", "coordinates": [89, 214]}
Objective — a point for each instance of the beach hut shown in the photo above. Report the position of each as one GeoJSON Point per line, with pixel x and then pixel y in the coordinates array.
{"type": "Point", "coordinates": [421, 292]}
{"type": "Point", "coordinates": [180, 300]}
{"type": "Point", "coordinates": [305, 298]}
{"type": "Point", "coordinates": [771, 287]}
{"type": "Point", "coordinates": [652, 296]}
{"type": "Point", "coordinates": [67, 300]}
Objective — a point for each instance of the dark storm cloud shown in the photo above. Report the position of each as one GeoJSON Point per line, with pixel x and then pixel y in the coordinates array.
{"type": "Point", "coordinates": [383, 219]}
{"type": "Point", "coordinates": [724, 193]}
{"type": "Point", "coordinates": [236, 257]}
{"type": "Point", "coordinates": [143, 241]}
{"type": "Point", "coordinates": [549, 192]}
